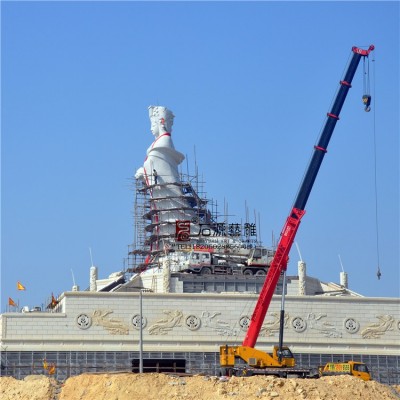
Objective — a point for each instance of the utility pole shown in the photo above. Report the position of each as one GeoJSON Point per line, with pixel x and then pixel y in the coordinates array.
{"type": "Point", "coordinates": [141, 332]}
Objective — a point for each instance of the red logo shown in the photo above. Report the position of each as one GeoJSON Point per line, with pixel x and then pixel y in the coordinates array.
{"type": "Point", "coordinates": [182, 231]}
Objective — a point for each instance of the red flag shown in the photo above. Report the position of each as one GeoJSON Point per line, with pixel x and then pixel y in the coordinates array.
{"type": "Point", "coordinates": [20, 286]}
{"type": "Point", "coordinates": [54, 301]}
{"type": "Point", "coordinates": [11, 302]}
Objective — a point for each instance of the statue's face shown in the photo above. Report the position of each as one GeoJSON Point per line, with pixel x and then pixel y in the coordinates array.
{"type": "Point", "coordinates": [155, 125]}
{"type": "Point", "coordinates": [161, 120]}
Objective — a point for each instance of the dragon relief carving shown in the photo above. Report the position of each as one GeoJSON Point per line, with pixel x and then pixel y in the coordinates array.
{"type": "Point", "coordinates": [376, 330]}
{"type": "Point", "coordinates": [163, 326]}
{"type": "Point", "coordinates": [221, 327]}
{"type": "Point", "coordinates": [271, 327]}
{"type": "Point", "coordinates": [324, 327]}
{"type": "Point", "coordinates": [113, 325]}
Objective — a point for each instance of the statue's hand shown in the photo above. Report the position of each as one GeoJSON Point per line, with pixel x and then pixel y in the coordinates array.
{"type": "Point", "coordinates": [140, 174]}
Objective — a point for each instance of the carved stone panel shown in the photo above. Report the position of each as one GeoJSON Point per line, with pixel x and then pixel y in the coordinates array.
{"type": "Point", "coordinates": [378, 329]}
{"type": "Point", "coordinates": [299, 324]}
{"type": "Point", "coordinates": [163, 326]}
{"type": "Point", "coordinates": [351, 325]}
{"type": "Point", "coordinates": [318, 322]}
{"type": "Point", "coordinates": [271, 326]}
{"type": "Point", "coordinates": [114, 326]}
{"type": "Point", "coordinates": [221, 327]}
{"type": "Point", "coordinates": [83, 321]}
{"type": "Point", "coordinates": [193, 322]}
{"type": "Point", "coordinates": [244, 323]}
{"type": "Point", "coordinates": [136, 321]}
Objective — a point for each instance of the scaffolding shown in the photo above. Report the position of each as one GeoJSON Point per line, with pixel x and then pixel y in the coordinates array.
{"type": "Point", "coordinates": [149, 243]}
{"type": "Point", "coordinates": [157, 209]}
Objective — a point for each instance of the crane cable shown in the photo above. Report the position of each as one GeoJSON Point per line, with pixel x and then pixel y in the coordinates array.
{"type": "Point", "coordinates": [366, 85]}
{"type": "Point", "coordinates": [367, 100]}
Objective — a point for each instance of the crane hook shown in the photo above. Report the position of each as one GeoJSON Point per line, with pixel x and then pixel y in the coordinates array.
{"type": "Point", "coordinates": [378, 274]}
{"type": "Point", "coordinates": [367, 102]}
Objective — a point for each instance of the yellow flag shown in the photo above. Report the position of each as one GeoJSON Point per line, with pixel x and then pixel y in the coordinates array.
{"type": "Point", "coordinates": [52, 369]}
{"type": "Point", "coordinates": [20, 286]}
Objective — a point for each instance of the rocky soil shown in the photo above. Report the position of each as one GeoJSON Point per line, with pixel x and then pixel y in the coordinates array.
{"type": "Point", "coordinates": [124, 386]}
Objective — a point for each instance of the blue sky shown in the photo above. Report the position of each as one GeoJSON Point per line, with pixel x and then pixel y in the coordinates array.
{"type": "Point", "coordinates": [249, 83]}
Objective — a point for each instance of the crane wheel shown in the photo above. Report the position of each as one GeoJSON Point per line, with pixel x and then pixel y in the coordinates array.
{"type": "Point", "coordinates": [206, 271]}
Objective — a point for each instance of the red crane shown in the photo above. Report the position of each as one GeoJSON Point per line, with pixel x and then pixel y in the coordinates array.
{"type": "Point", "coordinates": [279, 263]}
{"type": "Point", "coordinates": [281, 361]}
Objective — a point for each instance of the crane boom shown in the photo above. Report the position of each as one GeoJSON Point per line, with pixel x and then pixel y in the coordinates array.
{"type": "Point", "coordinates": [279, 263]}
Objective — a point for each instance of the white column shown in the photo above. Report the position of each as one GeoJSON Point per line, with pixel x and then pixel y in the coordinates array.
{"type": "Point", "coordinates": [93, 278]}
{"type": "Point", "coordinates": [344, 280]}
{"type": "Point", "coordinates": [301, 266]}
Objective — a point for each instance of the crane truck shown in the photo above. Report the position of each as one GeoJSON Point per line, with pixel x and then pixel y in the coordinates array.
{"type": "Point", "coordinates": [254, 261]}
{"type": "Point", "coordinates": [281, 362]}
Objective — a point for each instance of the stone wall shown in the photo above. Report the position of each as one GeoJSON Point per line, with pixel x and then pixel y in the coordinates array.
{"type": "Point", "coordinates": [202, 322]}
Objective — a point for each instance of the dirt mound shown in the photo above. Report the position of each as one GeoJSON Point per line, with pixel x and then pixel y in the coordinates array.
{"type": "Point", "coordinates": [33, 387]}
{"type": "Point", "coordinates": [126, 386]}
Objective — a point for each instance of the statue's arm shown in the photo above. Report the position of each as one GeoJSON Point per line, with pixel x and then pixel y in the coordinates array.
{"type": "Point", "coordinates": [140, 174]}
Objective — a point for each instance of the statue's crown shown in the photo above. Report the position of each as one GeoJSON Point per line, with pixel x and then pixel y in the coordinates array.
{"type": "Point", "coordinates": [162, 112]}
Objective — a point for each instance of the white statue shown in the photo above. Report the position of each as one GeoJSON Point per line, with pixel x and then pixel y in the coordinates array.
{"type": "Point", "coordinates": [169, 203]}
{"type": "Point", "coordinates": [160, 173]}
{"type": "Point", "coordinates": [161, 163]}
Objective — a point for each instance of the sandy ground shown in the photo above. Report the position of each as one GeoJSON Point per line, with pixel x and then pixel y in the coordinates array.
{"type": "Point", "coordinates": [126, 386]}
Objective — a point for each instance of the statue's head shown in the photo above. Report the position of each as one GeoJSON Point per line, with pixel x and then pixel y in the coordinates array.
{"type": "Point", "coordinates": [161, 120]}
